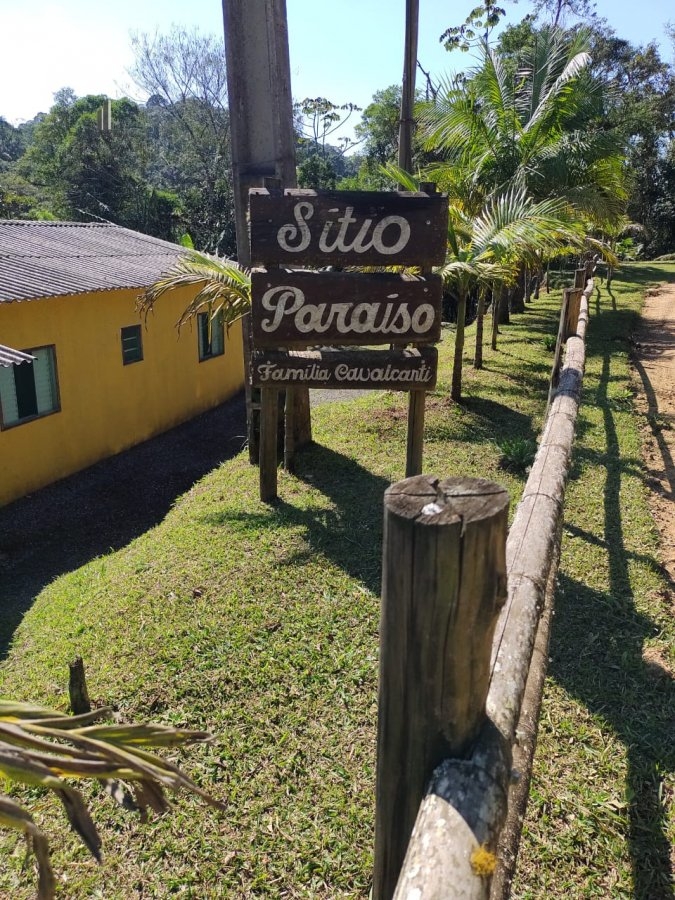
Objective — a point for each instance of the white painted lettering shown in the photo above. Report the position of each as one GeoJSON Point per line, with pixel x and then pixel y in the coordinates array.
{"type": "Point", "coordinates": [303, 212]}
{"type": "Point", "coordinates": [403, 234]}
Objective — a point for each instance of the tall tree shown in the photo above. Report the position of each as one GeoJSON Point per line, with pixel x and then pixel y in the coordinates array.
{"type": "Point", "coordinates": [536, 125]}
{"type": "Point", "coordinates": [183, 73]}
{"type": "Point", "coordinates": [92, 173]}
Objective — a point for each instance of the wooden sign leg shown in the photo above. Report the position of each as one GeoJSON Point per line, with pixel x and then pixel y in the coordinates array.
{"type": "Point", "coordinates": [289, 430]}
{"type": "Point", "coordinates": [413, 462]}
{"type": "Point", "coordinates": [269, 417]}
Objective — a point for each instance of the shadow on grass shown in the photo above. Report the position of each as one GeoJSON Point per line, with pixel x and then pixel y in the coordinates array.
{"type": "Point", "coordinates": [597, 655]}
{"type": "Point", "coordinates": [101, 509]}
{"type": "Point", "coordinates": [477, 419]}
{"type": "Point", "coordinates": [644, 273]}
{"type": "Point", "coordinates": [348, 532]}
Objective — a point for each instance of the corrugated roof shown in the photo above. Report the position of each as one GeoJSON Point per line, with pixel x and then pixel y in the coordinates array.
{"type": "Point", "coordinates": [10, 357]}
{"type": "Point", "coordinates": [47, 259]}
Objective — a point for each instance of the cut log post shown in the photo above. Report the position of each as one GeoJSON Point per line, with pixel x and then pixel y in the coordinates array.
{"type": "Point", "coordinates": [572, 315]}
{"type": "Point", "coordinates": [443, 584]}
{"type": "Point", "coordinates": [77, 687]}
{"type": "Point", "coordinates": [580, 278]}
{"type": "Point", "coordinates": [451, 851]}
{"type": "Point", "coordinates": [263, 143]}
{"type": "Point", "coordinates": [559, 347]}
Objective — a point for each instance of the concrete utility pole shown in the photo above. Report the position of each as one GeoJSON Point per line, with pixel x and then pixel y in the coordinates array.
{"type": "Point", "coordinates": [263, 146]}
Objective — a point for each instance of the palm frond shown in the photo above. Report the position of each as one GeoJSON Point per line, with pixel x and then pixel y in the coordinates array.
{"type": "Point", "coordinates": [40, 748]}
{"type": "Point", "coordinates": [225, 288]}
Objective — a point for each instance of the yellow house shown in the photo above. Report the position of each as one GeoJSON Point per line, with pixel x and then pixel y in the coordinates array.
{"type": "Point", "coordinates": [101, 379]}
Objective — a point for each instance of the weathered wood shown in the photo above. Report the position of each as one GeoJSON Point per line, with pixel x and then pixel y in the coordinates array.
{"type": "Point", "coordinates": [359, 228]}
{"type": "Point", "coordinates": [559, 346]}
{"type": "Point", "coordinates": [580, 278]}
{"type": "Point", "coordinates": [77, 687]}
{"type": "Point", "coordinates": [415, 434]}
{"type": "Point", "coordinates": [269, 419]}
{"type": "Point", "coordinates": [524, 747]}
{"type": "Point", "coordinates": [460, 815]}
{"type": "Point", "coordinates": [572, 315]}
{"type": "Point", "coordinates": [453, 820]}
{"type": "Point", "coordinates": [443, 584]}
{"type": "Point", "coordinates": [532, 542]}
{"type": "Point", "coordinates": [416, 399]}
{"type": "Point", "coordinates": [394, 370]}
{"type": "Point", "coordinates": [303, 309]}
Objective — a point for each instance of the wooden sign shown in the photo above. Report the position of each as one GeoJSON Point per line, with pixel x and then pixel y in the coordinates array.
{"type": "Point", "coordinates": [357, 228]}
{"type": "Point", "coordinates": [394, 370]}
{"type": "Point", "coordinates": [303, 309]}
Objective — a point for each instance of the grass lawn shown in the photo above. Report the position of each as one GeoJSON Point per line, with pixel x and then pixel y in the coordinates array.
{"type": "Point", "coordinates": [259, 623]}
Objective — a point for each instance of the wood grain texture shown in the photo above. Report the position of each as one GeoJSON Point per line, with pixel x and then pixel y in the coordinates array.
{"type": "Point", "coordinates": [572, 316]}
{"type": "Point", "coordinates": [443, 584]}
{"type": "Point", "coordinates": [306, 308]}
{"type": "Point", "coordinates": [395, 370]}
{"type": "Point", "coordinates": [355, 228]}
{"type": "Point", "coordinates": [269, 421]}
{"type": "Point", "coordinates": [468, 809]}
{"type": "Point", "coordinates": [262, 142]}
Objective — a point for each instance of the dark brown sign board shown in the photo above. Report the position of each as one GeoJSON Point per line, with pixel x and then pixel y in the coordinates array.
{"type": "Point", "coordinates": [394, 370]}
{"type": "Point", "coordinates": [306, 309]}
{"type": "Point", "coordinates": [348, 228]}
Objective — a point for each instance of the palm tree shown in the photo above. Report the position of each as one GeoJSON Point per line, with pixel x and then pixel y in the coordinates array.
{"type": "Point", "coordinates": [487, 248]}
{"type": "Point", "coordinates": [535, 126]}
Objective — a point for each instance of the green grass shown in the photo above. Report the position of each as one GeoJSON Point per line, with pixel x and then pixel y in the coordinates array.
{"type": "Point", "coordinates": [259, 623]}
{"type": "Point", "coordinates": [600, 820]}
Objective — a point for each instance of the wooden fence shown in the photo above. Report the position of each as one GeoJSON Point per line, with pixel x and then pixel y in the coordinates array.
{"type": "Point", "coordinates": [464, 640]}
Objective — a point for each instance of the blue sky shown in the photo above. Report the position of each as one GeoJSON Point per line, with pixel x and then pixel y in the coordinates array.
{"type": "Point", "coordinates": [344, 50]}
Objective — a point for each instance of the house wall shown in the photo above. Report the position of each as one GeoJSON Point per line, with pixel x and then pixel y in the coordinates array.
{"type": "Point", "coordinates": [107, 406]}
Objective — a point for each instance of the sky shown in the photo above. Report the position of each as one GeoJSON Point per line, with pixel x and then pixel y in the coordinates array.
{"type": "Point", "coordinates": [343, 50]}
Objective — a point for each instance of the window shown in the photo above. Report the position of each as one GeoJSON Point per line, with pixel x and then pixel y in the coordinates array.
{"type": "Point", "coordinates": [29, 390]}
{"type": "Point", "coordinates": [211, 335]}
{"type": "Point", "coordinates": [132, 345]}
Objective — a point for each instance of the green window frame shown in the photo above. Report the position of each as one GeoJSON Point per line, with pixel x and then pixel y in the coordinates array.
{"type": "Point", "coordinates": [210, 335]}
{"type": "Point", "coordinates": [30, 390]}
{"type": "Point", "coordinates": [132, 344]}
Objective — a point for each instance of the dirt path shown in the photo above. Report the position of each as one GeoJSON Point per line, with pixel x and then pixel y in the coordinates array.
{"type": "Point", "coordinates": [654, 364]}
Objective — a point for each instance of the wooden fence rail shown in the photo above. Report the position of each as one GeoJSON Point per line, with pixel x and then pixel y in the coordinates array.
{"type": "Point", "coordinates": [452, 849]}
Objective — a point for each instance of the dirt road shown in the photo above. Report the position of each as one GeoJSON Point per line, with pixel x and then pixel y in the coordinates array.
{"type": "Point", "coordinates": [654, 363]}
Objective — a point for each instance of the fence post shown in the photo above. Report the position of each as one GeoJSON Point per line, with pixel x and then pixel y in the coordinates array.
{"type": "Point", "coordinates": [580, 278]}
{"type": "Point", "coordinates": [572, 313]}
{"type": "Point", "coordinates": [443, 584]}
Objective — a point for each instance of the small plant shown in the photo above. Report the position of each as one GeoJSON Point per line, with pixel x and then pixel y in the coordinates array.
{"type": "Point", "coordinates": [38, 747]}
{"type": "Point", "coordinates": [549, 342]}
{"type": "Point", "coordinates": [517, 454]}
{"type": "Point", "coordinates": [622, 398]}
